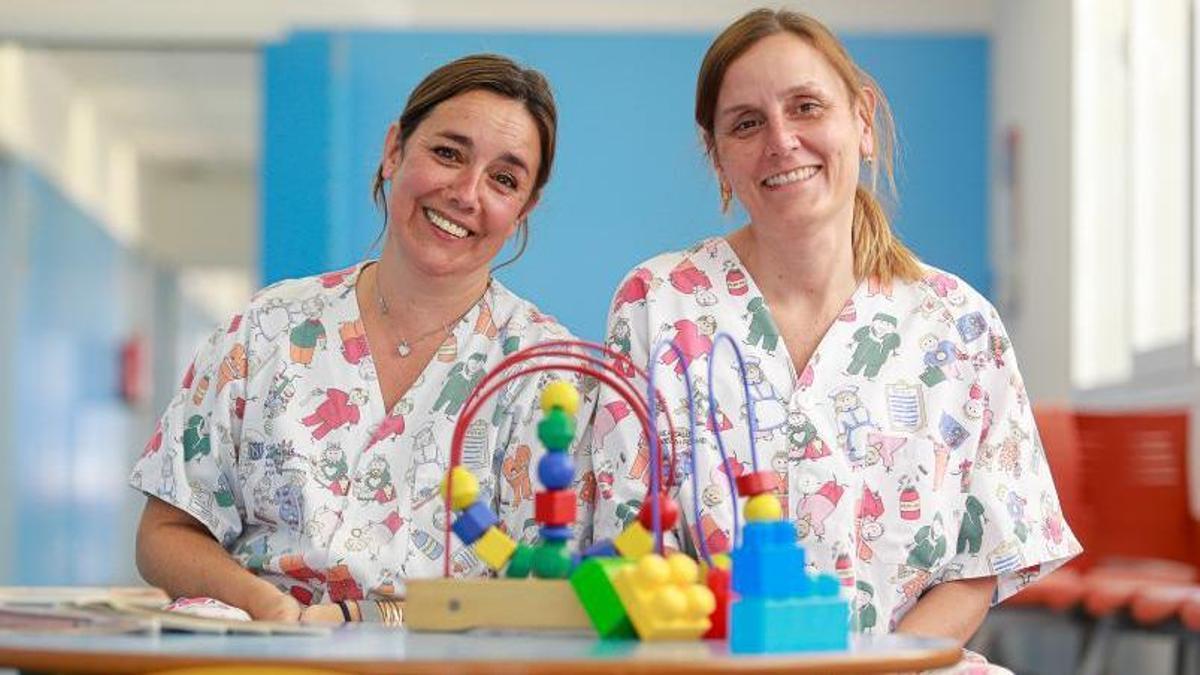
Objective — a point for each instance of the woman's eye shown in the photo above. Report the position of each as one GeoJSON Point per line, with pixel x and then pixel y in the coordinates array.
{"type": "Point", "coordinates": [808, 108]}
{"type": "Point", "coordinates": [507, 180]}
{"type": "Point", "coordinates": [744, 125]}
{"type": "Point", "coordinates": [445, 152]}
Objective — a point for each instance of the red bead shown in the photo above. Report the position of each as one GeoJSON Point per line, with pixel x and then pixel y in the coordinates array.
{"type": "Point", "coordinates": [668, 511]}
{"type": "Point", "coordinates": [554, 507]}
{"type": "Point", "coordinates": [757, 483]}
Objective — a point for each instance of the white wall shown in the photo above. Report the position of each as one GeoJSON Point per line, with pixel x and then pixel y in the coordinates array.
{"type": "Point", "coordinates": [1031, 73]}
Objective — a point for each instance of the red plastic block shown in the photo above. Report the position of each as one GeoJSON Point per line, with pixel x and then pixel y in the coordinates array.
{"type": "Point", "coordinates": [757, 483]}
{"type": "Point", "coordinates": [718, 582]}
{"type": "Point", "coordinates": [554, 507]}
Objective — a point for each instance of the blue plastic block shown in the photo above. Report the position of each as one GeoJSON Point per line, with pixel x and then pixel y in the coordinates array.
{"type": "Point", "coordinates": [769, 563]}
{"type": "Point", "coordinates": [601, 549]}
{"type": "Point", "coordinates": [795, 625]}
{"type": "Point", "coordinates": [473, 522]}
{"type": "Point", "coordinates": [555, 532]}
{"type": "Point", "coordinates": [556, 471]}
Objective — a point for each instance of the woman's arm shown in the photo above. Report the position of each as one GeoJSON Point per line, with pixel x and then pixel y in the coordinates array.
{"type": "Point", "coordinates": [951, 609]}
{"type": "Point", "coordinates": [176, 553]}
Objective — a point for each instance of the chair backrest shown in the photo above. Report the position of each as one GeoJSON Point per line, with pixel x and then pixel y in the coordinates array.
{"type": "Point", "coordinates": [1060, 437]}
{"type": "Point", "coordinates": [1135, 485]}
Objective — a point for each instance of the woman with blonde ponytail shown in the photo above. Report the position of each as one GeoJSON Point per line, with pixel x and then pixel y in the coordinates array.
{"type": "Point", "coordinates": [884, 393]}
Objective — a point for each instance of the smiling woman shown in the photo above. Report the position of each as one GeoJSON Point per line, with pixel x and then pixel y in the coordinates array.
{"type": "Point", "coordinates": [884, 391]}
{"type": "Point", "coordinates": [297, 468]}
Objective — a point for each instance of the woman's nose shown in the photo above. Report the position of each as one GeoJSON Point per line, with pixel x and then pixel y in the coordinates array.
{"type": "Point", "coordinates": [464, 191]}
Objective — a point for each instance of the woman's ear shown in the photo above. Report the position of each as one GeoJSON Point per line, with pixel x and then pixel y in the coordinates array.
{"type": "Point", "coordinates": [529, 205]}
{"type": "Point", "coordinates": [393, 146]}
{"type": "Point", "coordinates": [866, 119]}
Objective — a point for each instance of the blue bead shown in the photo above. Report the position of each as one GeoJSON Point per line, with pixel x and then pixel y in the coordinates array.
{"type": "Point", "coordinates": [601, 549]}
{"type": "Point", "coordinates": [473, 522]}
{"type": "Point", "coordinates": [555, 532]}
{"type": "Point", "coordinates": [556, 471]}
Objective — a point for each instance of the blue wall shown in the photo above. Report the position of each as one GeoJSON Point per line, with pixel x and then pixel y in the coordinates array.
{"type": "Point", "coordinates": [629, 180]}
{"type": "Point", "coordinates": [69, 444]}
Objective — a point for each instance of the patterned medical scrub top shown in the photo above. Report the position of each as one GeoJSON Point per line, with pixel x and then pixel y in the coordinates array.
{"type": "Point", "coordinates": [906, 447]}
{"type": "Point", "coordinates": [279, 443]}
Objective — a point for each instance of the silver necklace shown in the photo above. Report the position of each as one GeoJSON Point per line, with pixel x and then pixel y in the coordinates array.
{"type": "Point", "coordinates": [404, 347]}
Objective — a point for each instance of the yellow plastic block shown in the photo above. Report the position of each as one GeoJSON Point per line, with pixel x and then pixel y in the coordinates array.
{"type": "Point", "coordinates": [466, 488]}
{"type": "Point", "coordinates": [763, 508]}
{"type": "Point", "coordinates": [663, 598]}
{"type": "Point", "coordinates": [495, 548]}
{"type": "Point", "coordinates": [635, 542]}
{"type": "Point", "coordinates": [560, 394]}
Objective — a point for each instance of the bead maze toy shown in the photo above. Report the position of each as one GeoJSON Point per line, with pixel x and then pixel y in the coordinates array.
{"type": "Point", "coordinates": [760, 598]}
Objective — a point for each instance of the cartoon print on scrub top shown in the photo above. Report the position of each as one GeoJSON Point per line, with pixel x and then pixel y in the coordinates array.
{"type": "Point", "coordinates": [279, 443]}
{"type": "Point", "coordinates": [892, 475]}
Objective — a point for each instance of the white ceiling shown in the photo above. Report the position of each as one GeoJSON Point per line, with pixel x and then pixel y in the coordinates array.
{"type": "Point", "coordinates": [181, 78]}
{"type": "Point", "coordinates": [197, 106]}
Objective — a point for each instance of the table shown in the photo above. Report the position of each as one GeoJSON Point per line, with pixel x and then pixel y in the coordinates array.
{"type": "Point", "coordinates": [372, 648]}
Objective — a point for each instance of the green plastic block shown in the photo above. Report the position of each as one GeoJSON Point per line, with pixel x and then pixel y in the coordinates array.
{"type": "Point", "coordinates": [592, 582]}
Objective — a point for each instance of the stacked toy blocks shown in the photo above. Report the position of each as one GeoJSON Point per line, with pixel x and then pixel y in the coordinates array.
{"type": "Point", "coordinates": [777, 607]}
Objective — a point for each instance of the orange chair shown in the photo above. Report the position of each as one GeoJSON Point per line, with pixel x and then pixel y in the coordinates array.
{"type": "Point", "coordinates": [1142, 561]}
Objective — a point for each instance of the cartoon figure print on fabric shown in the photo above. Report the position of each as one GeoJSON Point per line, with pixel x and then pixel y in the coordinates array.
{"type": "Point", "coordinates": [619, 342]}
{"type": "Point", "coordinates": [767, 406]}
{"type": "Point", "coordinates": [762, 327]}
{"type": "Point", "coordinates": [196, 442]}
{"type": "Point", "coordinates": [803, 441]}
{"type": "Point", "coordinates": [461, 379]}
{"type": "Point", "coordinates": [875, 343]}
{"type": "Point", "coordinates": [818, 502]}
{"type": "Point", "coordinates": [853, 423]}
{"type": "Point", "coordinates": [694, 339]}
{"type": "Point", "coordinates": [516, 473]}
{"type": "Point", "coordinates": [690, 280]}
{"type": "Point", "coordinates": [309, 335]}
{"type": "Point", "coordinates": [375, 484]}
{"type": "Point", "coordinates": [332, 471]}
{"type": "Point", "coordinates": [869, 529]}
{"type": "Point", "coordinates": [337, 410]}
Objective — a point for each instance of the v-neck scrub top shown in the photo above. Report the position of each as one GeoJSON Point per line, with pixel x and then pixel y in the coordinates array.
{"type": "Point", "coordinates": [906, 448]}
{"type": "Point", "coordinates": [278, 441]}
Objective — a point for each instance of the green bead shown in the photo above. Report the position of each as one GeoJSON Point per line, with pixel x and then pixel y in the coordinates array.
{"type": "Point", "coordinates": [520, 563]}
{"type": "Point", "coordinates": [552, 560]}
{"type": "Point", "coordinates": [556, 430]}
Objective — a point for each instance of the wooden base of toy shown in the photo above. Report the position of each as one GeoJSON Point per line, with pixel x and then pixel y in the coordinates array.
{"type": "Point", "coordinates": [452, 605]}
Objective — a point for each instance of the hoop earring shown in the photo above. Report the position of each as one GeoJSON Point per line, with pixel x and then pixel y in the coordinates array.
{"type": "Point", "coordinates": [726, 197]}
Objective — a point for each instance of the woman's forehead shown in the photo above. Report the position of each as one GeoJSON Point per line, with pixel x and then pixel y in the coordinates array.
{"type": "Point", "coordinates": [777, 66]}
{"type": "Point", "coordinates": [486, 121]}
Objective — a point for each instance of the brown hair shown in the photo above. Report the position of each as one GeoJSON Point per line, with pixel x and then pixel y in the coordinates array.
{"type": "Point", "coordinates": [488, 72]}
{"type": "Point", "coordinates": [877, 251]}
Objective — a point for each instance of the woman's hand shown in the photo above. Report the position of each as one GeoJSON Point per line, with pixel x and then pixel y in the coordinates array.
{"type": "Point", "coordinates": [272, 604]}
{"type": "Point", "coordinates": [327, 612]}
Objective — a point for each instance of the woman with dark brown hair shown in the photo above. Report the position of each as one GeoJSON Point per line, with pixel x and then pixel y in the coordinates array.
{"type": "Point", "coordinates": [883, 393]}
{"type": "Point", "coordinates": [297, 470]}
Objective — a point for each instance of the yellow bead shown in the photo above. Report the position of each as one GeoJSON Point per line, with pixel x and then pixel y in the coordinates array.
{"type": "Point", "coordinates": [683, 569]}
{"type": "Point", "coordinates": [466, 488]}
{"type": "Point", "coordinates": [560, 394]}
{"type": "Point", "coordinates": [763, 508]}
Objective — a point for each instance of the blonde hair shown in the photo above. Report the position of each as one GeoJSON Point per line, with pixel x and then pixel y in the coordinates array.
{"type": "Point", "coordinates": [878, 252]}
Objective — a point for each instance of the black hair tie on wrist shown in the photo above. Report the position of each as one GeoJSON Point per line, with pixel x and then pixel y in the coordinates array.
{"type": "Point", "coordinates": [345, 611]}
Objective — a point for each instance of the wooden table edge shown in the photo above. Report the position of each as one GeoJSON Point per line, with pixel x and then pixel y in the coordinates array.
{"type": "Point", "coordinates": [83, 661]}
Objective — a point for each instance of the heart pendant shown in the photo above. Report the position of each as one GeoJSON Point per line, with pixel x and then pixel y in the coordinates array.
{"type": "Point", "coordinates": [403, 349]}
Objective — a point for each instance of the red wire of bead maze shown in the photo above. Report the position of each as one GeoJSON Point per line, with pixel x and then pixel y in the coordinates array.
{"type": "Point", "coordinates": [476, 400]}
